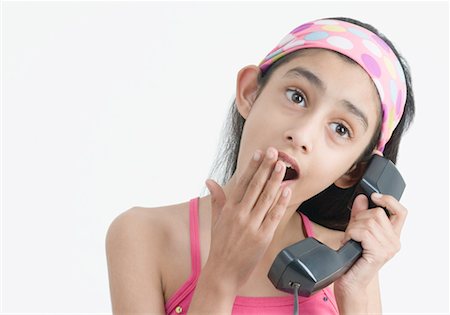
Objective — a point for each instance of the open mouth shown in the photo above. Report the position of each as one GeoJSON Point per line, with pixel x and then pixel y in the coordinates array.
{"type": "Point", "coordinates": [290, 174]}
{"type": "Point", "coordinates": [292, 169]}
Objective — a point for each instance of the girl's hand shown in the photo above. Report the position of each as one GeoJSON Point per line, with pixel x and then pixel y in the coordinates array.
{"type": "Point", "coordinates": [379, 236]}
{"type": "Point", "coordinates": [244, 221]}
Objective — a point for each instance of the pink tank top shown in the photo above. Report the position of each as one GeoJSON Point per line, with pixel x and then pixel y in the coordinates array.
{"type": "Point", "coordinates": [323, 302]}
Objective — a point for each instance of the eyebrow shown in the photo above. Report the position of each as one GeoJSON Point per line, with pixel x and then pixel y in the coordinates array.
{"type": "Point", "coordinates": [316, 81]}
{"type": "Point", "coordinates": [356, 111]}
{"type": "Point", "coordinates": [304, 73]}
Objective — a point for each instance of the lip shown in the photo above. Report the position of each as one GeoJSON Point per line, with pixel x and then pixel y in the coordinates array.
{"type": "Point", "coordinates": [287, 182]}
{"type": "Point", "coordinates": [289, 159]}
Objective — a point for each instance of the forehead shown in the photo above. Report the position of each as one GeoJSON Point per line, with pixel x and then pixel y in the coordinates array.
{"type": "Point", "coordinates": [326, 62]}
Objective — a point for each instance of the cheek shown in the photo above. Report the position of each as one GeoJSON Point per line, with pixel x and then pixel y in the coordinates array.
{"type": "Point", "coordinates": [261, 124]}
{"type": "Point", "coordinates": [327, 170]}
{"type": "Point", "coordinates": [254, 137]}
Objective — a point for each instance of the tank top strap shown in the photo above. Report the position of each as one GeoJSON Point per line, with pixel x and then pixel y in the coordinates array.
{"type": "Point", "coordinates": [182, 297]}
{"type": "Point", "coordinates": [194, 237]}
{"type": "Point", "coordinates": [308, 225]}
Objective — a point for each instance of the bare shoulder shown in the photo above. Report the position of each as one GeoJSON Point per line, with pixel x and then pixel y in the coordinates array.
{"type": "Point", "coordinates": [159, 222]}
{"type": "Point", "coordinates": [147, 227]}
{"type": "Point", "coordinates": [138, 242]}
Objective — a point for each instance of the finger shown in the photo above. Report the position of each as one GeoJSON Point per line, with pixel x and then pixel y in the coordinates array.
{"type": "Point", "coordinates": [273, 218]}
{"type": "Point", "coordinates": [365, 228]}
{"type": "Point", "coordinates": [243, 181]}
{"type": "Point", "coordinates": [380, 226]}
{"type": "Point", "coordinates": [374, 218]}
{"type": "Point", "coordinates": [360, 204]}
{"type": "Point", "coordinates": [379, 215]}
{"type": "Point", "coordinates": [375, 252]}
{"type": "Point", "coordinates": [360, 233]}
{"type": "Point", "coordinates": [376, 213]}
{"type": "Point", "coordinates": [397, 210]}
{"type": "Point", "coordinates": [270, 193]}
{"type": "Point", "coordinates": [375, 238]}
{"type": "Point", "coordinates": [217, 199]}
{"type": "Point", "coordinates": [259, 180]}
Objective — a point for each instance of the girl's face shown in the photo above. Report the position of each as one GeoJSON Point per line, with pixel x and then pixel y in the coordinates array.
{"type": "Point", "coordinates": [319, 109]}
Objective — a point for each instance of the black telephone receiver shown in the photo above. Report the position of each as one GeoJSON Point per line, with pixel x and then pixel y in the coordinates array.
{"type": "Point", "coordinates": [309, 265]}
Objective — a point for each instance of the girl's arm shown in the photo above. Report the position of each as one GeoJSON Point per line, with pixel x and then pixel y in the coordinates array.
{"type": "Point", "coordinates": [363, 302]}
{"type": "Point", "coordinates": [134, 276]}
{"type": "Point", "coordinates": [357, 291]}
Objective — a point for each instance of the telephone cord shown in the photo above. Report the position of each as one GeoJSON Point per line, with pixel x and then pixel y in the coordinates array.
{"type": "Point", "coordinates": [296, 286]}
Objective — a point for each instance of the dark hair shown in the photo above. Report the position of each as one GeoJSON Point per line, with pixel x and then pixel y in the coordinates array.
{"type": "Point", "coordinates": [329, 207]}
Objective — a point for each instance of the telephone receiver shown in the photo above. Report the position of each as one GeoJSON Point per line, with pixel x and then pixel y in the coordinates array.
{"type": "Point", "coordinates": [309, 265]}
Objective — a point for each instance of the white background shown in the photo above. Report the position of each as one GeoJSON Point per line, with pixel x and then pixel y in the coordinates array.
{"type": "Point", "coordinates": [110, 105]}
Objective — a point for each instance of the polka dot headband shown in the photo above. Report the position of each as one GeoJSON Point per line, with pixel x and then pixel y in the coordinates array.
{"type": "Point", "coordinates": [365, 48]}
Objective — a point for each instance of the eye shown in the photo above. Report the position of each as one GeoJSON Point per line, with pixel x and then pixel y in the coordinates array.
{"type": "Point", "coordinates": [341, 130]}
{"type": "Point", "coordinates": [295, 96]}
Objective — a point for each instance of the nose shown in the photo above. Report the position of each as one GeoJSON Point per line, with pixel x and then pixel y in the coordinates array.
{"type": "Point", "coordinates": [302, 135]}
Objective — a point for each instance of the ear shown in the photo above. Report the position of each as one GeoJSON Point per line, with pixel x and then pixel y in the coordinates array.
{"type": "Point", "coordinates": [246, 89]}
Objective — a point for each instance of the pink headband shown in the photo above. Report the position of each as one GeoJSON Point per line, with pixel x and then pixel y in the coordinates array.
{"type": "Point", "coordinates": [365, 48]}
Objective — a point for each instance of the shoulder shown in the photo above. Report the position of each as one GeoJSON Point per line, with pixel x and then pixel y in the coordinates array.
{"type": "Point", "coordinates": [148, 231]}
{"type": "Point", "coordinates": [138, 242]}
{"type": "Point", "coordinates": [141, 221]}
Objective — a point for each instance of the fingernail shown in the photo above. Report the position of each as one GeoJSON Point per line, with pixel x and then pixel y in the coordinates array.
{"type": "Point", "coordinates": [270, 154]}
{"type": "Point", "coordinates": [286, 192]}
{"type": "Point", "coordinates": [377, 195]}
{"type": "Point", "coordinates": [257, 156]}
{"type": "Point", "coordinates": [278, 167]}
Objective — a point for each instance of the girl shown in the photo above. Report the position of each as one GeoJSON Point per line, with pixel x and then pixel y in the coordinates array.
{"type": "Point", "coordinates": [304, 123]}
